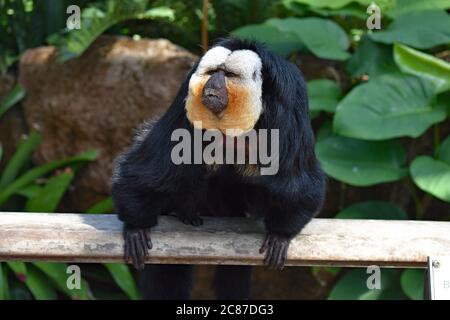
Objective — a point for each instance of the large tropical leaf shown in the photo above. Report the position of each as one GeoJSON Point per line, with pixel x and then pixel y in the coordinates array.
{"type": "Point", "coordinates": [353, 286]}
{"type": "Point", "coordinates": [388, 106]}
{"type": "Point", "coordinates": [422, 30]}
{"type": "Point", "coordinates": [282, 43]}
{"type": "Point", "coordinates": [371, 58]}
{"type": "Point", "coordinates": [412, 281]}
{"type": "Point", "coordinates": [323, 95]}
{"type": "Point", "coordinates": [96, 20]}
{"type": "Point", "coordinates": [334, 4]}
{"type": "Point", "coordinates": [323, 37]}
{"type": "Point", "coordinates": [443, 152]}
{"type": "Point", "coordinates": [433, 175]}
{"type": "Point", "coordinates": [40, 171]}
{"type": "Point", "coordinates": [359, 162]}
{"type": "Point", "coordinates": [373, 210]}
{"type": "Point", "coordinates": [20, 158]}
{"type": "Point", "coordinates": [423, 65]}
{"type": "Point", "coordinates": [299, 8]}
{"type": "Point", "coordinates": [402, 7]}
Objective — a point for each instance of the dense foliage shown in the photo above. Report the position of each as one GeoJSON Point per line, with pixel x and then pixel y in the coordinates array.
{"type": "Point", "coordinates": [388, 94]}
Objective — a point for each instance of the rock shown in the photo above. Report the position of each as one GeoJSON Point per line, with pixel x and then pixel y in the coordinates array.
{"type": "Point", "coordinates": [97, 100]}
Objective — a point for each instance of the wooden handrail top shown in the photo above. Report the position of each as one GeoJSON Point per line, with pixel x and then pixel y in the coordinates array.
{"type": "Point", "coordinates": [338, 242]}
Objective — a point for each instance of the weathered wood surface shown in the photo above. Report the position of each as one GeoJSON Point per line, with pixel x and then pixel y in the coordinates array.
{"type": "Point", "coordinates": [97, 238]}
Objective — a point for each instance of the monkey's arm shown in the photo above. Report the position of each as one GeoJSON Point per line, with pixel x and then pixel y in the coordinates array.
{"type": "Point", "coordinates": [292, 203]}
{"type": "Point", "coordinates": [146, 183]}
{"type": "Point", "coordinates": [138, 206]}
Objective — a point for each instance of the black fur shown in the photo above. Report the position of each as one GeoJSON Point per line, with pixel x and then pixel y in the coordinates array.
{"type": "Point", "coordinates": [147, 184]}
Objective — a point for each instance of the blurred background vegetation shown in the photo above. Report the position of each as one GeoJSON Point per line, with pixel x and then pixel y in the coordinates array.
{"type": "Point", "coordinates": [380, 112]}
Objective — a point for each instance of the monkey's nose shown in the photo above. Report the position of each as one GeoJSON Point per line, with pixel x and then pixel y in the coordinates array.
{"type": "Point", "coordinates": [215, 94]}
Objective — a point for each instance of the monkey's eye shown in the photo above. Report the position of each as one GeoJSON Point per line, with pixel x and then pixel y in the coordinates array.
{"type": "Point", "coordinates": [230, 74]}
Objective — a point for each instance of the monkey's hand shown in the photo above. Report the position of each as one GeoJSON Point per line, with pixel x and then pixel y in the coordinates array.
{"type": "Point", "coordinates": [276, 247]}
{"type": "Point", "coordinates": [137, 244]}
{"type": "Point", "coordinates": [190, 218]}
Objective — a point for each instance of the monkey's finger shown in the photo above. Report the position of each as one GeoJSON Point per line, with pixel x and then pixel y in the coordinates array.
{"type": "Point", "coordinates": [281, 257]}
{"type": "Point", "coordinates": [140, 250]}
{"type": "Point", "coordinates": [265, 244]}
{"type": "Point", "coordinates": [197, 221]}
{"type": "Point", "coordinates": [143, 242]}
{"type": "Point", "coordinates": [125, 250]}
{"type": "Point", "coordinates": [269, 255]}
{"type": "Point", "coordinates": [148, 239]}
{"type": "Point", "coordinates": [136, 254]}
{"type": "Point", "coordinates": [273, 261]}
{"type": "Point", "coordinates": [132, 252]}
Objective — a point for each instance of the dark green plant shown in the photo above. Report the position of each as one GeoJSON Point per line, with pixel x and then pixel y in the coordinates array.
{"type": "Point", "coordinates": [42, 189]}
{"type": "Point", "coordinates": [400, 94]}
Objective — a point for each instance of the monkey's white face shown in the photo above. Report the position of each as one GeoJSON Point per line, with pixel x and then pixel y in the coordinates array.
{"type": "Point", "coordinates": [225, 92]}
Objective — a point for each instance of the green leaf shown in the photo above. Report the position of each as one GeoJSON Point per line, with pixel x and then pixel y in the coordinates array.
{"type": "Point", "coordinates": [282, 43]}
{"type": "Point", "coordinates": [300, 8]}
{"type": "Point", "coordinates": [353, 285]}
{"type": "Point", "coordinates": [325, 131]}
{"type": "Point", "coordinates": [158, 12]}
{"type": "Point", "coordinates": [334, 4]}
{"type": "Point", "coordinates": [4, 291]}
{"type": "Point", "coordinates": [378, 210]}
{"type": "Point", "coordinates": [57, 273]}
{"type": "Point", "coordinates": [96, 20]}
{"type": "Point", "coordinates": [402, 7]}
{"type": "Point", "coordinates": [423, 65]}
{"type": "Point", "coordinates": [37, 172]}
{"type": "Point", "coordinates": [17, 93]}
{"type": "Point", "coordinates": [359, 162]}
{"type": "Point", "coordinates": [412, 281]}
{"type": "Point", "coordinates": [19, 269]}
{"type": "Point", "coordinates": [323, 95]}
{"type": "Point", "coordinates": [432, 176]}
{"type": "Point", "coordinates": [324, 38]}
{"type": "Point", "coordinates": [48, 197]}
{"type": "Point", "coordinates": [105, 206]}
{"type": "Point", "coordinates": [443, 151]}
{"type": "Point", "coordinates": [371, 58]}
{"type": "Point", "coordinates": [29, 191]}
{"type": "Point", "coordinates": [39, 285]}
{"type": "Point", "coordinates": [352, 10]}
{"type": "Point", "coordinates": [122, 276]}
{"type": "Point", "coordinates": [20, 158]}
{"type": "Point", "coordinates": [422, 30]}
{"type": "Point", "coordinates": [387, 107]}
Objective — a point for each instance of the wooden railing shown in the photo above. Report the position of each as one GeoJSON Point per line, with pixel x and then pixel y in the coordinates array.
{"type": "Point", "coordinates": [97, 238]}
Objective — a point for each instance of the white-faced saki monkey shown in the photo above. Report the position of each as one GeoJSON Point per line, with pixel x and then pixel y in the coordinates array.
{"type": "Point", "coordinates": [237, 86]}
